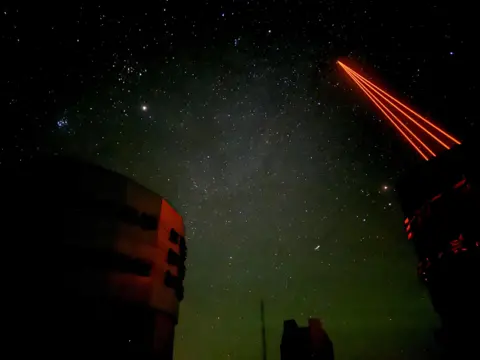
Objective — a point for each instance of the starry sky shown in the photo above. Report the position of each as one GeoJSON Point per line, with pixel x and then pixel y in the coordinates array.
{"type": "Point", "coordinates": [283, 172]}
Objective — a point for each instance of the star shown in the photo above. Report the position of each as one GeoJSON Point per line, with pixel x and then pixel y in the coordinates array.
{"type": "Point", "coordinates": [62, 123]}
{"type": "Point", "coordinates": [144, 107]}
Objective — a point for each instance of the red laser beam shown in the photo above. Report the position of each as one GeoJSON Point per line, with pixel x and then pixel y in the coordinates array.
{"type": "Point", "coordinates": [380, 104]}
{"type": "Point", "coordinates": [386, 103]}
{"type": "Point", "coordinates": [381, 107]}
{"type": "Point", "coordinates": [406, 107]}
{"type": "Point", "coordinates": [391, 120]}
{"type": "Point", "coordinates": [366, 82]}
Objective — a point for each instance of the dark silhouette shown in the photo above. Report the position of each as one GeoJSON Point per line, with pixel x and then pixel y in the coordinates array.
{"type": "Point", "coordinates": [264, 336]}
{"type": "Point", "coordinates": [99, 262]}
{"type": "Point", "coordinates": [441, 202]}
{"type": "Point", "coordinates": [311, 342]}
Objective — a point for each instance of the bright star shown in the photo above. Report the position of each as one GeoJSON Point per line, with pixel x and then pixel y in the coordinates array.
{"type": "Point", "coordinates": [62, 123]}
{"type": "Point", "coordinates": [144, 107]}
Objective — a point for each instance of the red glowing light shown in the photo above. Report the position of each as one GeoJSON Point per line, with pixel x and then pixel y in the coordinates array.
{"type": "Point", "coordinates": [457, 244]}
{"type": "Point", "coordinates": [460, 183]}
{"type": "Point", "coordinates": [418, 136]}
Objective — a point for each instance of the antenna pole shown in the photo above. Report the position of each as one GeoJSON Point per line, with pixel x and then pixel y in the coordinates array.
{"type": "Point", "coordinates": [264, 339]}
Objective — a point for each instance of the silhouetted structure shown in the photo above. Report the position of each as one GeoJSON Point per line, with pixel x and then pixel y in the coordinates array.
{"type": "Point", "coordinates": [99, 262]}
{"type": "Point", "coordinates": [311, 342]}
{"type": "Point", "coordinates": [264, 334]}
{"type": "Point", "coordinates": [441, 202]}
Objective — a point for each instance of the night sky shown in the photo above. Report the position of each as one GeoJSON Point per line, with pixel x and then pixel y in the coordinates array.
{"type": "Point", "coordinates": [238, 115]}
